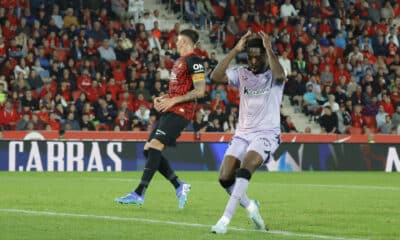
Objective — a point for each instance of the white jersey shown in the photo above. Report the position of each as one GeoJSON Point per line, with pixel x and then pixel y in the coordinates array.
{"type": "Point", "coordinates": [260, 100]}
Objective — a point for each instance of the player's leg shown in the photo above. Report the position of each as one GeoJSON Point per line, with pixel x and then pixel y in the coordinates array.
{"type": "Point", "coordinates": [171, 129]}
{"type": "Point", "coordinates": [164, 168]}
{"type": "Point", "coordinates": [227, 177]}
{"type": "Point", "coordinates": [259, 151]}
{"type": "Point", "coordinates": [231, 163]}
{"type": "Point", "coordinates": [250, 163]}
{"type": "Point", "coordinates": [153, 148]}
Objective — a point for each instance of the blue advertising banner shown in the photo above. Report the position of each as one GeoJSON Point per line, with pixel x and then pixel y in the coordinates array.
{"type": "Point", "coordinates": [196, 156]}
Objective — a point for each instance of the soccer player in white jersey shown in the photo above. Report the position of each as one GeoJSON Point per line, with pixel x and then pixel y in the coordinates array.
{"type": "Point", "coordinates": [257, 136]}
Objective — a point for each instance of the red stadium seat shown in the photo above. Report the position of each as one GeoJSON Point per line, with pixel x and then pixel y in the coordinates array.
{"type": "Point", "coordinates": [355, 130]}
{"type": "Point", "coordinates": [219, 12]}
{"type": "Point", "coordinates": [62, 54]}
{"type": "Point", "coordinates": [230, 41]}
{"type": "Point", "coordinates": [76, 94]}
{"type": "Point", "coordinates": [102, 127]}
{"type": "Point", "coordinates": [370, 121]}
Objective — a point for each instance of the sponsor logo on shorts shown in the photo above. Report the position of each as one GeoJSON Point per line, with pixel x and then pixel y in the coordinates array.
{"type": "Point", "coordinates": [160, 132]}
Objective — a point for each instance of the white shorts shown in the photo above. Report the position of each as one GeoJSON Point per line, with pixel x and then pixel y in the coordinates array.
{"type": "Point", "coordinates": [263, 143]}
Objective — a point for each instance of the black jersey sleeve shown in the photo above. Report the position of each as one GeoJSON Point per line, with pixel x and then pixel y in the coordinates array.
{"type": "Point", "coordinates": [195, 68]}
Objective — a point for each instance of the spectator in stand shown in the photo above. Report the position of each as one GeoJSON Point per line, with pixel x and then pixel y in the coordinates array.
{"type": "Point", "coordinates": [310, 102]}
{"type": "Point", "coordinates": [143, 114]}
{"type": "Point", "coordinates": [344, 119]}
{"type": "Point", "coordinates": [380, 117]}
{"type": "Point", "coordinates": [29, 102]}
{"type": "Point", "coordinates": [357, 117]}
{"type": "Point", "coordinates": [70, 19]}
{"type": "Point", "coordinates": [106, 52]}
{"type": "Point", "coordinates": [328, 121]}
{"type": "Point", "coordinates": [22, 123]}
{"type": "Point", "coordinates": [332, 104]}
{"type": "Point", "coordinates": [122, 121]}
{"type": "Point", "coordinates": [286, 63]}
{"type": "Point", "coordinates": [219, 89]}
{"type": "Point", "coordinates": [198, 124]}
{"type": "Point", "coordinates": [86, 123]}
{"type": "Point", "coordinates": [386, 128]}
{"type": "Point", "coordinates": [396, 118]}
{"type": "Point", "coordinates": [214, 126]}
{"type": "Point", "coordinates": [38, 124]}
{"type": "Point", "coordinates": [230, 124]}
{"type": "Point", "coordinates": [72, 122]}
{"type": "Point", "coordinates": [288, 10]}
{"type": "Point", "coordinates": [147, 21]}
{"type": "Point", "coordinates": [387, 104]}
{"type": "Point", "coordinates": [8, 116]}
{"type": "Point", "coordinates": [192, 13]}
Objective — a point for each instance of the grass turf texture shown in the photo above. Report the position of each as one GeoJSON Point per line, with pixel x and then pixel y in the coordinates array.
{"type": "Point", "coordinates": [332, 204]}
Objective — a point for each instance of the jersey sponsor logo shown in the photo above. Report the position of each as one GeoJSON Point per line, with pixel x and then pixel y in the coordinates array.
{"type": "Point", "coordinates": [198, 77]}
{"type": "Point", "coordinates": [181, 110]}
{"type": "Point", "coordinates": [197, 68]}
{"type": "Point", "coordinates": [255, 92]}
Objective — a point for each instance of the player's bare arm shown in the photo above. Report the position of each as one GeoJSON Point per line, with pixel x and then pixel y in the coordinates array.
{"type": "Point", "coordinates": [277, 70]}
{"type": "Point", "coordinates": [218, 75]}
{"type": "Point", "coordinates": [198, 92]}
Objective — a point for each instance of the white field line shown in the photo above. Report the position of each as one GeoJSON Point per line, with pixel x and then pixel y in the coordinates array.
{"type": "Point", "coordinates": [362, 187]}
{"type": "Point", "coordinates": [162, 222]}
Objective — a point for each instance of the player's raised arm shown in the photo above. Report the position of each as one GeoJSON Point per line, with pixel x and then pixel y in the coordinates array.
{"type": "Point", "coordinates": [218, 74]}
{"type": "Point", "coordinates": [278, 73]}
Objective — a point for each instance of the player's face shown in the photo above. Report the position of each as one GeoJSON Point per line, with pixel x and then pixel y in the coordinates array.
{"type": "Point", "coordinates": [182, 40]}
{"type": "Point", "coordinates": [256, 60]}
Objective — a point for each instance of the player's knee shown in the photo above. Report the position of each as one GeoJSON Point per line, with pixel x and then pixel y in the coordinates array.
{"type": "Point", "coordinates": [225, 183]}
{"type": "Point", "coordinates": [243, 173]}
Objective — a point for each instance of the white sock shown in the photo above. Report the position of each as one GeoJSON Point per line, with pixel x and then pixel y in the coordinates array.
{"type": "Point", "coordinates": [239, 190]}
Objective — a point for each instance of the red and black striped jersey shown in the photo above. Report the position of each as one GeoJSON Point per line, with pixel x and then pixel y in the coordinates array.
{"type": "Point", "coordinates": [186, 70]}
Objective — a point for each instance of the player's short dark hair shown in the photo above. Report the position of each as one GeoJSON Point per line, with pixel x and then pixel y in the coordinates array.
{"type": "Point", "coordinates": [255, 43]}
{"type": "Point", "coordinates": [191, 34]}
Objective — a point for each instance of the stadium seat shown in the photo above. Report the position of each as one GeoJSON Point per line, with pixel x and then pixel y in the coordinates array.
{"type": "Point", "coordinates": [62, 54]}
{"type": "Point", "coordinates": [76, 94]}
{"type": "Point", "coordinates": [370, 121]}
{"type": "Point", "coordinates": [102, 127]}
{"type": "Point", "coordinates": [219, 12]}
{"type": "Point", "coordinates": [229, 41]}
{"type": "Point", "coordinates": [355, 130]}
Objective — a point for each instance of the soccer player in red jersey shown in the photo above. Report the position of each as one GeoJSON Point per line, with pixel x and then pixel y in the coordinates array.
{"type": "Point", "coordinates": [186, 84]}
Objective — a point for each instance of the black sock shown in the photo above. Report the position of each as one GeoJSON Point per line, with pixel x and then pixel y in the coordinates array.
{"type": "Point", "coordinates": [166, 170]}
{"type": "Point", "coordinates": [152, 164]}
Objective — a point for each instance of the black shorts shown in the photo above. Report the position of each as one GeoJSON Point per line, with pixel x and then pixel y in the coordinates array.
{"type": "Point", "coordinates": [169, 128]}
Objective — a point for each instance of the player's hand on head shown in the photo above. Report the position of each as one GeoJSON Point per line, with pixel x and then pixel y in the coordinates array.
{"type": "Point", "coordinates": [266, 40]}
{"type": "Point", "coordinates": [242, 42]}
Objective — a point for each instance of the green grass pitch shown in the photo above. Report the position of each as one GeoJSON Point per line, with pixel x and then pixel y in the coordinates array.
{"type": "Point", "coordinates": [307, 205]}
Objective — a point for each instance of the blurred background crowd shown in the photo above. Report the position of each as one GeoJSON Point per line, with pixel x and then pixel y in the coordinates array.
{"type": "Point", "coordinates": [97, 64]}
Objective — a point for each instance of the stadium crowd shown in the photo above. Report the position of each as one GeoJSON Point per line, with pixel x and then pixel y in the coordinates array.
{"type": "Point", "coordinates": [96, 65]}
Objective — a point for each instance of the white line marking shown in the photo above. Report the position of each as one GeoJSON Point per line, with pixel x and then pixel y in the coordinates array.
{"type": "Point", "coordinates": [362, 187]}
{"type": "Point", "coordinates": [155, 221]}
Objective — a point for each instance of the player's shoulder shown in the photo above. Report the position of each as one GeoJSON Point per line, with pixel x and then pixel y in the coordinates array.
{"type": "Point", "coordinates": [194, 63]}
